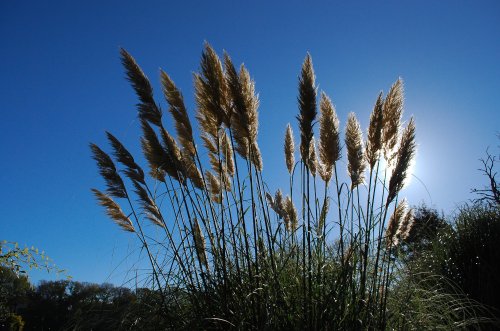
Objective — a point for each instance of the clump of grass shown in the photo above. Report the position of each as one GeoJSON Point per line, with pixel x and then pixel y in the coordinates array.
{"type": "Point", "coordinates": [426, 301]}
{"type": "Point", "coordinates": [317, 255]}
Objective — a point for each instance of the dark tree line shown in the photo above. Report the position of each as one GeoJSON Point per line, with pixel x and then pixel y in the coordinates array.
{"type": "Point", "coordinates": [72, 305]}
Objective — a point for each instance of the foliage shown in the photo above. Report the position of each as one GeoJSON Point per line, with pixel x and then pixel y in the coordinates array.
{"type": "Point", "coordinates": [20, 260]}
{"type": "Point", "coordinates": [13, 292]}
{"type": "Point", "coordinates": [465, 255]}
{"type": "Point", "coordinates": [425, 301]}
{"type": "Point", "coordinates": [70, 305]}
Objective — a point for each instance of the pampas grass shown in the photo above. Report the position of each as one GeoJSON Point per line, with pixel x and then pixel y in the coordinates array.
{"type": "Point", "coordinates": [316, 255]}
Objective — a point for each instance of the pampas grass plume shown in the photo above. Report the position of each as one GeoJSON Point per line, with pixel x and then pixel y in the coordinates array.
{"type": "Point", "coordinates": [329, 137]}
{"type": "Point", "coordinates": [354, 143]}
{"type": "Point", "coordinates": [374, 139]}
{"type": "Point", "coordinates": [289, 149]}
{"type": "Point", "coordinates": [307, 106]}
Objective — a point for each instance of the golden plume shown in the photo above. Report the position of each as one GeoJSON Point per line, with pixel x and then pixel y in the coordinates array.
{"type": "Point", "coordinates": [245, 104]}
{"type": "Point", "coordinates": [148, 205]}
{"type": "Point", "coordinates": [329, 137]}
{"type": "Point", "coordinates": [199, 243]}
{"type": "Point", "coordinates": [175, 157]}
{"type": "Point", "coordinates": [374, 139]}
{"type": "Point", "coordinates": [257, 157]}
{"type": "Point", "coordinates": [114, 211]}
{"type": "Point", "coordinates": [133, 170]}
{"type": "Point", "coordinates": [406, 225]}
{"type": "Point", "coordinates": [108, 171]}
{"type": "Point", "coordinates": [307, 106]}
{"type": "Point", "coordinates": [155, 153]}
{"type": "Point", "coordinates": [211, 89]}
{"type": "Point", "coordinates": [148, 109]}
{"type": "Point", "coordinates": [289, 149]}
{"type": "Point", "coordinates": [291, 220]}
{"type": "Point", "coordinates": [179, 113]}
{"type": "Point", "coordinates": [227, 153]}
{"type": "Point", "coordinates": [354, 144]}
{"type": "Point", "coordinates": [312, 159]}
{"type": "Point", "coordinates": [404, 157]}
{"type": "Point", "coordinates": [394, 221]}
{"type": "Point", "coordinates": [214, 186]}
{"type": "Point", "coordinates": [393, 111]}
{"type": "Point", "coordinates": [277, 203]}
{"type": "Point", "coordinates": [192, 171]}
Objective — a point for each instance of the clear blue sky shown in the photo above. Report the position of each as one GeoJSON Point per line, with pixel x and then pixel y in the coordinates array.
{"type": "Point", "coordinates": [62, 85]}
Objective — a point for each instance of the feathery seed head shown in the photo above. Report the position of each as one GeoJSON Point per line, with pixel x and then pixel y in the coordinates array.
{"type": "Point", "coordinates": [312, 159]}
{"type": "Point", "coordinates": [291, 220]}
{"type": "Point", "coordinates": [108, 171]}
{"type": "Point", "coordinates": [329, 137]}
{"type": "Point", "coordinates": [396, 218]}
{"type": "Point", "coordinates": [245, 103]}
{"type": "Point", "coordinates": [227, 154]}
{"type": "Point", "coordinates": [257, 157]}
{"type": "Point", "coordinates": [148, 205]}
{"type": "Point", "coordinates": [307, 106]}
{"type": "Point", "coordinates": [289, 149]}
{"type": "Point", "coordinates": [214, 186]}
{"type": "Point", "coordinates": [176, 170]}
{"type": "Point", "coordinates": [354, 143]}
{"type": "Point", "coordinates": [251, 100]}
{"type": "Point", "coordinates": [374, 139]}
{"type": "Point", "coordinates": [133, 171]}
{"type": "Point", "coordinates": [392, 113]}
{"type": "Point", "coordinates": [405, 225]}
{"type": "Point", "coordinates": [148, 109]}
{"type": "Point", "coordinates": [114, 211]}
{"type": "Point", "coordinates": [270, 200]}
{"type": "Point", "coordinates": [192, 171]}
{"type": "Point", "coordinates": [276, 203]}
{"type": "Point", "coordinates": [278, 200]}
{"type": "Point", "coordinates": [324, 172]}
{"type": "Point", "coordinates": [211, 89]}
{"type": "Point", "coordinates": [199, 243]}
{"type": "Point", "coordinates": [404, 157]}
{"type": "Point", "coordinates": [154, 152]}
{"type": "Point", "coordinates": [179, 113]}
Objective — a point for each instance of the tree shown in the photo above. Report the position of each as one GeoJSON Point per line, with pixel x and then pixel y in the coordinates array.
{"type": "Point", "coordinates": [490, 193]}
{"type": "Point", "coordinates": [426, 225]}
{"type": "Point", "coordinates": [13, 297]}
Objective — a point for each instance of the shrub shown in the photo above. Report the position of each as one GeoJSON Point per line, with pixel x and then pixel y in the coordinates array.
{"type": "Point", "coordinates": [464, 259]}
{"type": "Point", "coordinates": [472, 253]}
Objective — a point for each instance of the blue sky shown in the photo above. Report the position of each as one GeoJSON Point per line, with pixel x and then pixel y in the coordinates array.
{"type": "Point", "coordinates": [62, 85]}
